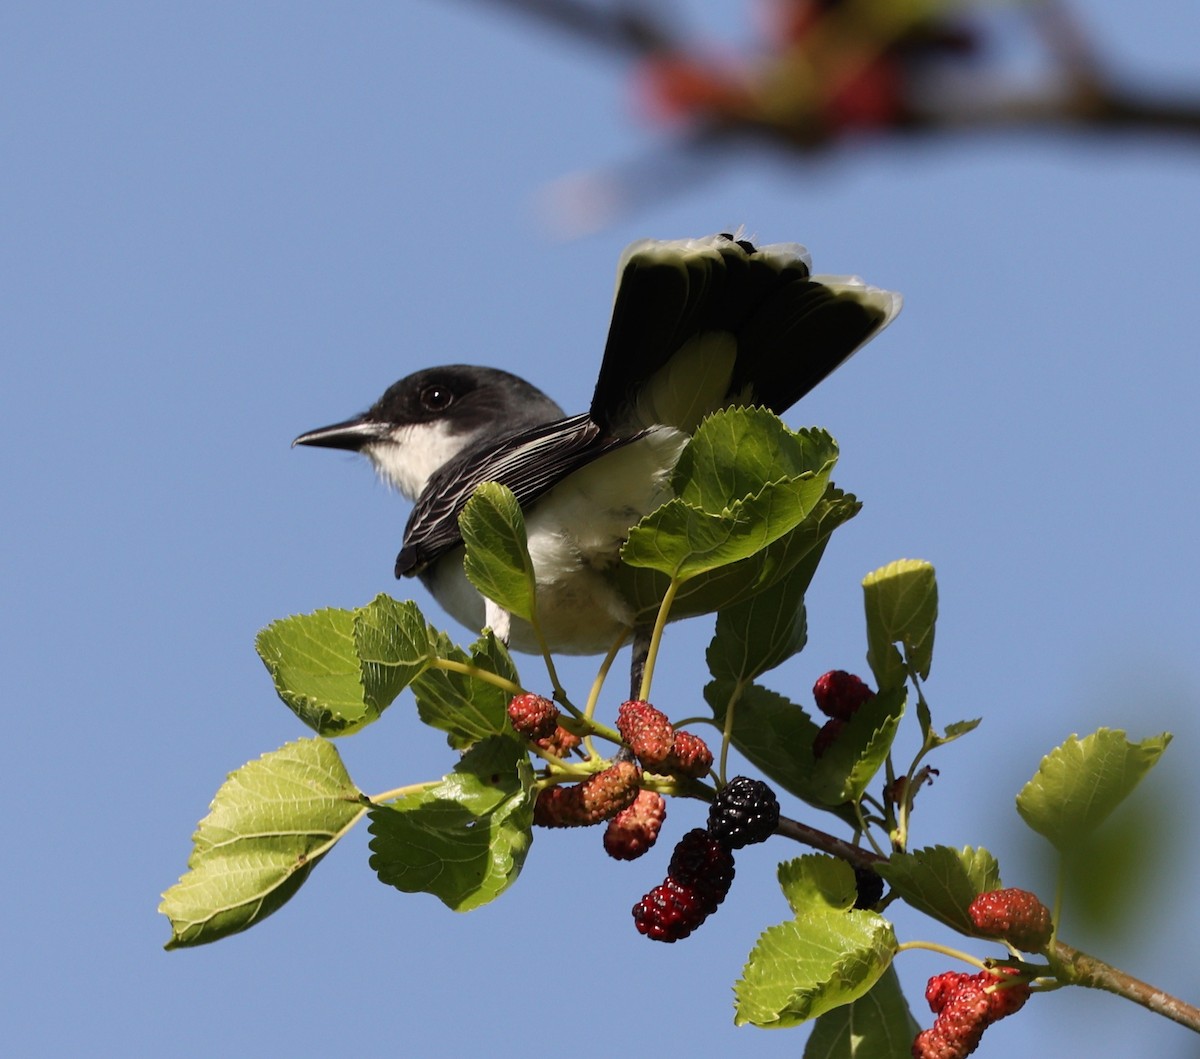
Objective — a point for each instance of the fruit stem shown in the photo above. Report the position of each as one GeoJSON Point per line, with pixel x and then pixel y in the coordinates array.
{"type": "Point", "coordinates": [945, 950]}
{"type": "Point", "coordinates": [594, 695]}
{"type": "Point", "coordinates": [399, 792]}
{"type": "Point", "coordinates": [660, 623]}
{"type": "Point", "coordinates": [560, 693]}
{"type": "Point", "coordinates": [727, 731]}
{"type": "Point", "coordinates": [469, 669]}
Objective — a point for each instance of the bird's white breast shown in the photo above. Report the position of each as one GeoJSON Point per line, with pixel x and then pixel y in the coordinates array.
{"type": "Point", "coordinates": [575, 535]}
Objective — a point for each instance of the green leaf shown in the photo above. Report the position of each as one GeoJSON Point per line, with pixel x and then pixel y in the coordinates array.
{"type": "Point", "coordinates": [464, 840]}
{"type": "Point", "coordinates": [683, 541]}
{"type": "Point", "coordinates": [729, 585]}
{"type": "Point", "coordinates": [775, 735]}
{"type": "Point", "coordinates": [942, 882]}
{"type": "Point", "coordinates": [1113, 872]}
{"type": "Point", "coordinates": [736, 451]}
{"type": "Point", "coordinates": [878, 1025]}
{"type": "Point", "coordinates": [466, 707]}
{"type": "Point", "coordinates": [497, 560]}
{"type": "Point", "coordinates": [761, 632]}
{"type": "Point", "coordinates": [1080, 782]}
{"type": "Point", "coordinates": [270, 823]}
{"type": "Point", "coordinates": [313, 662]}
{"type": "Point", "coordinates": [957, 730]}
{"type": "Point", "coordinates": [393, 644]}
{"type": "Point", "coordinates": [338, 670]}
{"type": "Point", "coordinates": [743, 481]}
{"type": "Point", "coordinates": [820, 960]}
{"type": "Point", "coordinates": [852, 760]}
{"type": "Point", "coordinates": [816, 880]}
{"type": "Point", "coordinates": [901, 606]}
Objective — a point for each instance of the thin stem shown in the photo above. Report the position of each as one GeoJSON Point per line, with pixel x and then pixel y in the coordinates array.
{"type": "Point", "coordinates": [565, 771]}
{"type": "Point", "coordinates": [598, 684]}
{"type": "Point", "coordinates": [865, 830]}
{"type": "Point", "coordinates": [401, 792]}
{"type": "Point", "coordinates": [560, 693]}
{"type": "Point", "coordinates": [469, 669]}
{"type": "Point", "coordinates": [904, 809]}
{"type": "Point", "coordinates": [727, 729]}
{"type": "Point", "coordinates": [660, 623]}
{"type": "Point", "coordinates": [589, 708]}
{"type": "Point", "coordinates": [945, 950]}
{"type": "Point", "coordinates": [1059, 883]}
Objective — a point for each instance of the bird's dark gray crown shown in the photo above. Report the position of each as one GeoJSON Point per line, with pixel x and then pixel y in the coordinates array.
{"type": "Point", "coordinates": [465, 398]}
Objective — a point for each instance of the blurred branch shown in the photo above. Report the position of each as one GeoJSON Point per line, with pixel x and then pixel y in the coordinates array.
{"type": "Point", "coordinates": [637, 29]}
{"type": "Point", "coordinates": [628, 27]}
{"type": "Point", "coordinates": [834, 71]}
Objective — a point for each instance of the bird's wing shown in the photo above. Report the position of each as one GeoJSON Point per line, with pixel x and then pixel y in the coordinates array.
{"type": "Point", "coordinates": [529, 463]}
{"type": "Point", "coordinates": [698, 324]}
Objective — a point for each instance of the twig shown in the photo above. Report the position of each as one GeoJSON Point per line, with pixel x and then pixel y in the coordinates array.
{"type": "Point", "coordinates": [810, 836]}
{"type": "Point", "coordinates": [1082, 969]}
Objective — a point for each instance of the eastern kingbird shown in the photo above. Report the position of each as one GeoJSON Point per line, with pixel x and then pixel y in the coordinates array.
{"type": "Point", "coordinates": [697, 325]}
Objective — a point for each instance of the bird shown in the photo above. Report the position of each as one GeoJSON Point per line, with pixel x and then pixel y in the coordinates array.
{"type": "Point", "coordinates": [697, 325]}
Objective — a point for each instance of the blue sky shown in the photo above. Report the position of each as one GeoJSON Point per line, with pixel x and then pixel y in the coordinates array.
{"type": "Point", "coordinates": [225, 223]}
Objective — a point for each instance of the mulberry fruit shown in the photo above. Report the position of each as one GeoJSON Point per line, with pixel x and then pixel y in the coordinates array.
{"type": "Point", "coordinates": [597, 798]}
{"type": "Point", "coordinates": [839, 694]}
{"type": "Point", "coordinates": [647, 732]}
{"type": "Point", "coordinates": [635, 829]}
{"type": "Point", "coordinates": [533, 716]}
{"type": "Point", "coordinates": [1017, 916]}
{"type": "Point", "coordinates": [745, 811]}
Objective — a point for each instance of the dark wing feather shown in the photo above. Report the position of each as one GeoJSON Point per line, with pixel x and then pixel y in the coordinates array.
{"type": "Point", "coordinates": [798, 337]}
{"type": "Point", "coordinates": [791, 329]}
{"type": "Point", "coordinates": [529, 463]}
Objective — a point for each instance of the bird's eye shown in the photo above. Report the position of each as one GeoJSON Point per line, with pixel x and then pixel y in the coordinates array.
{"type": "Point", "coordinates": [436, 397]}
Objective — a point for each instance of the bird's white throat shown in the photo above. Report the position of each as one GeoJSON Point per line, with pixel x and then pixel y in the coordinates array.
{"type": "Point", "coordinates": [410, 455]}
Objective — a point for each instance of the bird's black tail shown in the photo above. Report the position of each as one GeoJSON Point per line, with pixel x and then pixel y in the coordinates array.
{"type": "Point", "coordinates": [702, 323]}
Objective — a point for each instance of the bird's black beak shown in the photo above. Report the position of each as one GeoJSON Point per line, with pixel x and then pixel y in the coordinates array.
{"type": "Point", "coordinates": [353, 434]}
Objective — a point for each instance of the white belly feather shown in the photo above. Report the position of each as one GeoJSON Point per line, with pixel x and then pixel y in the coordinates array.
{"type": "Point", "coordinates": [575, 534]}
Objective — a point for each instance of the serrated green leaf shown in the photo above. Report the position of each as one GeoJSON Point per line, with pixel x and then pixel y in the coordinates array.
{"type": "Point", "coordinates": [736, 451]}
{"type": "Point", "coordinates": [338, 670]}
{"type": "Point", "coordinates": [852, 760]}
{"type": "Point", "coordinates": [759, 633]}
{"type": "Point", "coordinates": [466, 707]}
{"type": "Point", "coordinates": [942, 882]}
{"type": "Point", "coordinates": [816, 880]}
{"type": "Point", "coordinates": [924, 717]}
{"type": "Point", "coordinates": [775, 735]}
{"type": "Point", "coordinates": [726, 586]}
{"type": "Point", "coordinates": [314, 664]}
{"type": "Point", "coordinates": [393, 644]}
{"type": "Point", "coordinates": [901, 607]}
{"type": "Point", "coordinates": [1080, 782]}
{"type": "Point", "coordinates": [464, 840]}
{"type": "Point", "coordinates": [683, 541]}
{"type": "Point", "coordinates": [270, 823]}
{"type": "Point", "coordinates": [820, 960]}
{"type": "Point", "coordinates": [957, 730]}
{"type": "Point", "coordinates": [497, 560]}
{"type": "Point", "coordinates": [877, 1025]}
